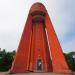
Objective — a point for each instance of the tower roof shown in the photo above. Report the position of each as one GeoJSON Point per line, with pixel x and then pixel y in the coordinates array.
{"type": "Point", "coordinates": [38, 7]}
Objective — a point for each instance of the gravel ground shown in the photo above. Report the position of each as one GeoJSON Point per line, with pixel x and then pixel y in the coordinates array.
{"type": "Point", "coordinates": [6, 73]}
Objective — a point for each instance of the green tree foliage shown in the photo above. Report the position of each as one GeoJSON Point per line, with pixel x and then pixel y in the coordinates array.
{"type": "Point", "coordinates": [70, 60]}
{"type": "Point", "coordinates": [6, 59]}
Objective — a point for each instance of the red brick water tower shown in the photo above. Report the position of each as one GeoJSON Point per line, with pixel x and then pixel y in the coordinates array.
{"type": "Point", "coordinates": [39, 49]}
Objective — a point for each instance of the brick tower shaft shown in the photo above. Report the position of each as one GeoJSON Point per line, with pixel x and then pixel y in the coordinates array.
{"type": "Point", "coordinates": [39, 49]}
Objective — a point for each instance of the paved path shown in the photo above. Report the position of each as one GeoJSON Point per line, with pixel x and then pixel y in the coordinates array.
{"type": "Point", "coordinates": [6, 73]}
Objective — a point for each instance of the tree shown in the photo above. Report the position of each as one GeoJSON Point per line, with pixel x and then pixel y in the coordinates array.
{"type": "Point", "coordinates": [6, 59]}
{"type": "Point", "coordinates": [70, 60]}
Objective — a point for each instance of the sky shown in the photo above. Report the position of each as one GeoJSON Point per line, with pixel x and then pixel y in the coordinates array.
{"type": "Point", "coordinates": [13, 15]}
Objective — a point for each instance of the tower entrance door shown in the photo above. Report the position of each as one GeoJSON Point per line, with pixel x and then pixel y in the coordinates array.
{"type": "Point", "coordinates": [39, 65]}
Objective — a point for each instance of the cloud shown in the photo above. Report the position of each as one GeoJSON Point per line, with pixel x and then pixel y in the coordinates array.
{"type": "Point", "coordinates": [69, 46]}
{"type": "Point", "coordinates": [13, 15]}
